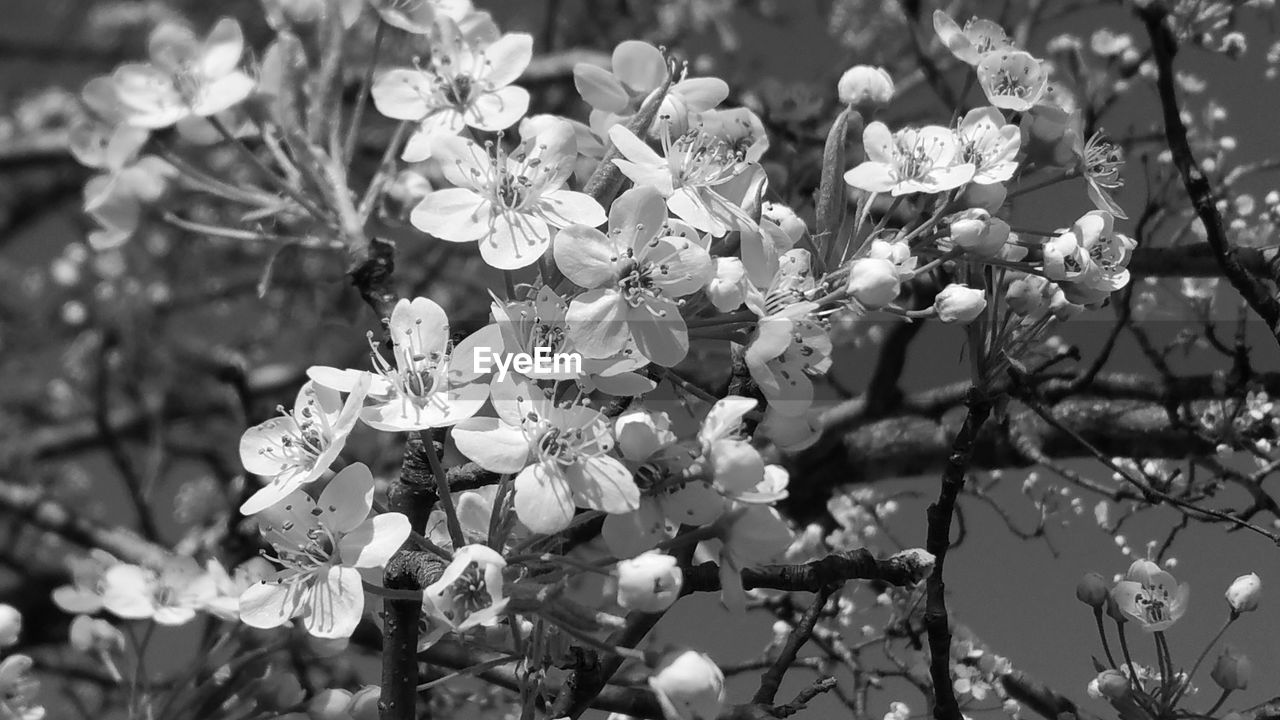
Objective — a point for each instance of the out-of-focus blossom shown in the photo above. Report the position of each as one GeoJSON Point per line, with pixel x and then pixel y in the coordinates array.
{"type": "Point", "coordinates": [1232, 670]}
{"type": "Point", "coordinates": [689, 686]}
{"type": "Point", "coordinates": [865, 86]}
{"type": "Point", "coordinates": [186, 76]}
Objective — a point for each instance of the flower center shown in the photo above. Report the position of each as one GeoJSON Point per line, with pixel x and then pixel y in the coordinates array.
{"type": "Point", "coordinates": [469, 593]}
{"type": "Point", "coordinates": [1103, 161]}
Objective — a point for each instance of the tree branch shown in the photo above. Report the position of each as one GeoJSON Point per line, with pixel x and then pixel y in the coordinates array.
{"type": "Point", "coordinates": [1164, 46]}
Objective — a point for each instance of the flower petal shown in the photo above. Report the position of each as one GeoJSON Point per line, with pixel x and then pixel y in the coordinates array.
{"type": "Point", "coordinates": [372, 543]}
{"type": "Point", "coordinates": [492, 444]}
{"type": "Point", "coordinates": [543, 501]}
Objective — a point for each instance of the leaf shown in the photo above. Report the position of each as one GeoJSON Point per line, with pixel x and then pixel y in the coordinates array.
{"type": "Point", "coordinates": [831, 203]}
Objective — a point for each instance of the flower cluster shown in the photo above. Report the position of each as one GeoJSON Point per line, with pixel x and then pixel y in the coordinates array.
{"type": "Point", "coordinates": [1150, 597]}
{"type": "Point", "coordinates": [639, 245]}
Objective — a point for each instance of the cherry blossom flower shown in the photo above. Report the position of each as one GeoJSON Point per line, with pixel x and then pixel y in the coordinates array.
{"type": "Point", "coordinates": [978, 38]}
{"type": "Point", "coordinates": [1151, 596]}
{"type": "Point", "coordinates": [84, 594]}
{"type": "Point", "coordinates": [752, 535]}
{"type": "Point", "coordinates": [321, 545]}
{"type": "Point", "coordinates": [638, 70]}
{"type": "Point", "coordinates": [690, 173]}
{"type": "Point", "coordinates": [670, 495]}
{"type": "Point", "coordinates": [1090, 257]}
{"type": "Point", "coordinates": [788, 343]}
{"type": "Point", "coordinates": [926, 159]}
{"type": "Point", "coordinates": [474, 509]}
{"type": "Point", "coordinates": [167, 596]}
{"type": "Point", "coordinates": [1100, 161]}
{"type": "Point", "coordinates": [633, 276]}
{"type": "Point", "coordinates": [298, 447]}
{"type": "Point", "coordinates": [467, 83]}
{"type": "Point", "coordinates": [561, 455]}
{"type": "Point", "coordinates": [469, 592]}
{"type": "Point", "coordinates": [10, 625]}
{"type": "Point", "coordinates": [507, 203]}
{"type": "Point", "coordinates": [734, 466]}
{"type": "Point", "coordinates": [1012, 80]}
{"type": "Point", "coordinates": [990, 144]}
{"type": "Point", "coordinates": [186, 76]}
{"type": "Point", "coordinates": [527, 325]}
{"type": "Point", "coordinates": [426, 384]}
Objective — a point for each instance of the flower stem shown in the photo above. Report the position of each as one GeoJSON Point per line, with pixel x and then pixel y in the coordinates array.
{"type": "Point", "coordinates": [1102, 633]}
{"type": "Point", "coordinates": [445, 497]}
{"type": "Point", "coordinates": [1205, 653]}
{"type": "Point", "coordinates": [1124, 649]}
{"type": "Point", "coordinates": [1221, 699]}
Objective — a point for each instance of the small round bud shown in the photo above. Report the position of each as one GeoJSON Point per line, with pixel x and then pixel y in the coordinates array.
{"type": "Point", "coordinates": [1232, 670]}
{"type": "Point", "coordinates": [959, 303]}
{"type": "Point", "coordinates": [725, 289]}
{"type": "Point", "coordinates": [1244, 593]}
{"type": "Point", "coordinates": [866, 86]}
{"type": "Point", "coordinates": [329, 704]}
{"type": "Point", "coordinates": [1092, 590]}
{"type": "Point", "coordinates": [649, 582]}
{"type": "Point", "coordinates": [975, 231]}
{"type": "Point", "coordinates": [784, 217]}
{"type": "Point", "coordinates": [364, 703]}
{"type": "Point", "coordinates": [873, 282]}
{"type": "Point", "coordinates": [688, 685]}
{"type": "Point", "coordinates": [1113, 685]}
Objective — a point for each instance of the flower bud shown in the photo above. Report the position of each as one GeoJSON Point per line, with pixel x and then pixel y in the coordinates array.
{"type": "Point", "coordinates": [94, 634]}
{"type": "Point", "coordinates": [1231, 672]}
{"type": "Point", "coordinates": [364, 703]}
{"type": "Point", "coordinates": [1244, 593]}
{"type": "Point", "coordinates": [958, 303]}
{"type": "Point", "coordinates": [725, 289]}
{"type": "Point", "coordinates": [688, 685]}
{"type": "Point", "coordinates": [1092, 590]}
{"type": "Point", "coordinates": [649, 582]}
{"type": "Point", "coordinates": [865, 85]}
{"type": "Point", "coordinates": [873, 282]}
{"type": "Point", "coordinates": [1113, 609]}
{"type": "Point", "coordinates": [1028, 295]}
{"type": "Point", "coordinates": [784, 217]}
{"type": "Point", "coordinates": [1113, 685]}
{"type": "Point", "coordinates": [10, 625]}
{"type": "Point", "coordinates": [329, 704]}
{"type": "Point", "coordinates": [977, 232]}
